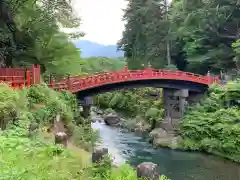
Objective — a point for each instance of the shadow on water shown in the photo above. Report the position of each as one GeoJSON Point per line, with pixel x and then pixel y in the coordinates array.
{"type": "Point", "coordinates": [125, 146]}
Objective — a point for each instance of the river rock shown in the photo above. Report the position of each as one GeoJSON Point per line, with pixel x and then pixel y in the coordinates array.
{"type": "Point", "coordinates": [140, 128]}
{"type": "Point", "coordinates": [148, 170]}
{"type": "Point", "coordinates": [61, 138]}
{"type": "Point", "coordinates": [99, 112]}
{"type": "Point", "coordinates": [112, 119]}
{"type": "Point", "coordinates": [159, 137]}
{"type": "Point", "coordinates": [93, 120]}
{"type": "Point", "coordinates": [98, 154]}
{"type": "Point", "coordinates": [158, 133]}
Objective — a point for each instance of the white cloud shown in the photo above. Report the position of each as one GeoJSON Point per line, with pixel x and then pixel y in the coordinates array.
{"type": "Point", "coordinates": [101, 19]}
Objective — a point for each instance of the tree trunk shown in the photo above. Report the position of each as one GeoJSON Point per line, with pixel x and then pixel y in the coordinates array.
{"type": "Point", "coordinates": [167, 40]}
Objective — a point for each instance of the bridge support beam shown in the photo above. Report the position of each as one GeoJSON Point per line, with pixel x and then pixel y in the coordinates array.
{"type": "Point", "coordinates": [174, 106]}
{"type": "Point", "coordinates": [175, 102]}
{"type": "Point", "coordinates": [86, 104]}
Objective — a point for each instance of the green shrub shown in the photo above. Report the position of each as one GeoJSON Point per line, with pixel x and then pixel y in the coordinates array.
{"type": "Point", "coordinates": [53, 103]}
{"type": "Point", "coordinates": [84, 136]}
{"type": "Point", "coordinates": [37, 158]}
{"type": "Point", "coordinates": [13, 104]}
{"type": "Point", "coordinates": [133, 102]}
{"type": "Point", "coordinates": [213, 125]}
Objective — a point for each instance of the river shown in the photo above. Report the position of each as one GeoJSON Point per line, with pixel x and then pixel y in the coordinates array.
{"type": "Point", "coordinates": [177, 165]}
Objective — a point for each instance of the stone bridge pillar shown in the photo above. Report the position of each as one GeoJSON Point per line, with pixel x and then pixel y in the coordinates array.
{"type": "Point", "coordinates": [174, 106]}
{"type": "Point", "coordinates": [86, 104]}
{"type": "Point", "coordinates": [175, 103]}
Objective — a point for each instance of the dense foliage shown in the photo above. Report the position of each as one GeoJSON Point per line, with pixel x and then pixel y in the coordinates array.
{"type": "Point", "coordinates": [134, 102]}
{"type": "Point", "coordinates": [144, 38]}
{"type": "Point", "coordinates": [101, 64]}
{"type": "Point", "coordinates": [36, 157]}
{"type": "Point", "coordinates": [40, 104]}
{"type": "Point", "coordinates": [213, 125]}
{"type": "Point", "coordinates": [30, 34]}
{"type": "Point", "coordinates": [199, 34]}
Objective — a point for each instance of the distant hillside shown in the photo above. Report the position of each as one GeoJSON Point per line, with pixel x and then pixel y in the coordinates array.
{"type": "Point", "coordinates": [90, 49]}
{"type": "Point", "coordinates": [101, 64]}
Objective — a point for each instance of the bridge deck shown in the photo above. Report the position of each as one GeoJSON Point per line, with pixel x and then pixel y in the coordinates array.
{"type": "Point", "coordinates": [19, 77]}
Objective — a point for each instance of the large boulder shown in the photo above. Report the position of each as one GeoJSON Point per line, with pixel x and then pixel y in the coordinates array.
{"type": "Point", "coordinates": [99, 112]}
{"type": "Point", "coordinates": [112, 119]}
{"type": "Point", "coordinates": [158, 133]}
{"type": "Point", "coordinates": [93, 120]}
{"type": "Point", "coordinates": [61, 138]}
{"type": "Point", "coordinates": [148, 170]}
{"type": "Point", "coordinates": [159, 137]}
{"type": "Point", "coordinates": [98, 154]}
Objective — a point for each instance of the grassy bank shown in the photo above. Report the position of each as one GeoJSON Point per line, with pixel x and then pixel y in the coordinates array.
{"type": "Point", "coordinates": [32, 154]}
{"type": "Point", "coordinates": [24, 158]}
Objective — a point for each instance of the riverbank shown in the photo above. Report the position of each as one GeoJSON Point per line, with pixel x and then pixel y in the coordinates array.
{"type": "Point", "coordinates": [128, 147]}
{"type": "Point", "coordinates": [28, 123]}
{"type": "Point", "coordinates": [158, 137]}
{"type": "Point", "coordinates": [211, 126]}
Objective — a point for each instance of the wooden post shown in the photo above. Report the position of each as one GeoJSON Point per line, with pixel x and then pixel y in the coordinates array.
{"type": "Point", "coordinates": [51, 81]}
{"type": "Point", "coordinates": [126, 68]}
{"type": "Point", "coordinates": [69, 83]}
{"type": "Point", "coordinates": [209, 78]}
{"type": "Point", "coordinates": [36, 74]}
{"type": "Point", "coordinates": [28, 78]}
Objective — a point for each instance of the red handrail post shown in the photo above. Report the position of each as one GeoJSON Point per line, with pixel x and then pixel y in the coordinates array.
{"type": "Point", "coordinates": [28, 77]}
{"type": "Point", "coordinates": [209, 78]}
{"type": "Point", "coordinates": [125, 68]}
{"type": "Point", "coordinates": [149, 70]}
{"type": "Point", "coordinates": [36, 74]}
{"type": "Point", "coordinates": [51, 83]}
{"type": "Point", "coordinates": [69, 83]}
{"type": "Point", "coordinates": [216, 79]}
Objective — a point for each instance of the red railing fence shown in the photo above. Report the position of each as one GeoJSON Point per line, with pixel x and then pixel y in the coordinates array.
{"type": "Point", "coordinates": [20, 77]}
{"type": "Point", "coordinates": [25, 77]}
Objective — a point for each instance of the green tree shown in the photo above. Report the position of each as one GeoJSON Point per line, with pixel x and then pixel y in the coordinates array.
{"type": "Point", "coordinates": [39, 37]}
{"type": "Point", "coordinates": [207, 29]}
{"type": "Point", "coordinates": [236, 47]}
{"type": "Point", "coordinates": [145, 35]}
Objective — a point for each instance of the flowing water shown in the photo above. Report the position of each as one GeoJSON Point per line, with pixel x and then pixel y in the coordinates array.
{"type": "Point", "coordinates": [177, 165]}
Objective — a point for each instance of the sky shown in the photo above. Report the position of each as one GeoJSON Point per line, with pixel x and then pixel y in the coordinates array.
{"type": "Point", "coordinates": [101, 19]}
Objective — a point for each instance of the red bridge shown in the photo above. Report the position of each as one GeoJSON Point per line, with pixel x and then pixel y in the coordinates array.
{"type": "Point", "coordinates": [178, 87]}
{"type": "Point", "coordinates": [91, 84]}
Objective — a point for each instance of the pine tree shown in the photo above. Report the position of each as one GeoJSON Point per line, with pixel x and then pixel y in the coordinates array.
{"type": "Point", "coordinates": [144, 38]}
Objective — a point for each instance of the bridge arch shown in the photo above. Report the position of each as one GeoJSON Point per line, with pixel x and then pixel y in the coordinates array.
{"type": "Point", "coordinates": [155, 83]}
{"type": "Point", "coordinates": [104, 82]}
{"type": "Point", "coordinates": [178, 87]}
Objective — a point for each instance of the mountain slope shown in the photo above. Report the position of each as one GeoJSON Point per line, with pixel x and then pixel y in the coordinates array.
{"type": "Point", "coordinates": [89, 49]}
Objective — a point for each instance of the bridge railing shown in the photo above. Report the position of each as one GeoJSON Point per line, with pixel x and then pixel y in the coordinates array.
{"type": "Point", "coordinates": [77, 83]}
{"type": "Point", "coordinates": [20, 77]}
